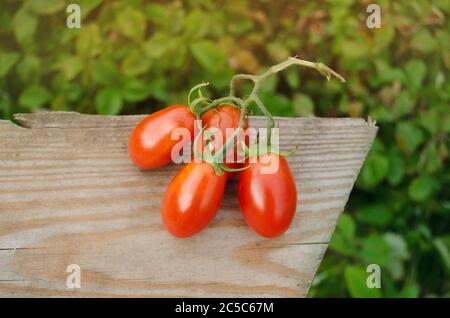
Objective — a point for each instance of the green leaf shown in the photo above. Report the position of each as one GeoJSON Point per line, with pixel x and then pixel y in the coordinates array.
{"type": "Point", "coordinates": [158, 89]}
{"type": "Point", "coordinates": [422, 188]}
{"type": "Point", "coordinates": [374, 170]}
{"type": "Point", "coordinates": [378, 146]}
{"type": "Point", "coordinates": [377, 214]}
{"type": "Point", "coordinates": [159, 45]}
{"type": "Point", "coordinates": [270, 85]}
{"type": "Point", "coordinates": [70, 66]}
{"type": "Point", "coordinates": [5, 105]}
{"type": "Point", "coordinates": [396, 169]}
{"type": "Point", "coordinates": [135, 90]}
{"type": "Point", "coordinates": [409, 291]}
{"type": "Point", "coordinates": [277, 104]}
{"type": "Point", "coordinates": [396, 268]}
{"type": "Point", "coordinates": [196, 25]}
{"type": "Point", "coordinates": [433, 162]}
{"type": "Point", "coordinates": [209, 55]}
{"type": "Point", "coordinates": [354, 49]}
{"type": "Point", "coordinates": [5, 22]}
{"type": "Point", "coordinates": [415, 71]}
{"type": "Point", "coordinates": [25, 24]}
{"type": "Point", "coordinates": [340, 245]}
{"type": "Point", "coordinates": [87, 6]}
{"type": "Point", "coordinates": [409, 137]}
{"type": "Point", "coordinates": [108, 101]}
{"type": "Point", "coordinates": [176, 21]}
{"type": "Point", "coordinates": [34, 96]}
{"type": "Point", "coordinates": [157, 13]}
{"type": "Point", "coordinates": [89, 42]}
{"type": "Point", "coordinates": [443, 251]}
{"type": "Point", "coordinates": [107, 73]}
{"type": "Point", "coordinates": [375, 250]}
{"type": "Point", "coordinates": [446, 123]}
{"type": "Point", "coordinates": [442, 4]}
{"type": "Point", "coordinates": [131, 22]}
{"type": "Point", "coordinates": [384, 36]}
{"type": "Point", "coordinates": [423, 41]}
{"type": "Point", "coordinates": [7, 61]}
{"type": "Point", "coordinates": [430, 120]}
{"type": "Point", "coordinates": [356, 281]}
{"type": "Point", "coordinates": [381, 114]}
{"type": "Point", "coordinates": [278, 51]}
{"type": "Point", "coordinates": [293, 78]}
{"type": "Point", "coordinates": [29, 69]}
{"type": "Point", "coordinates": [346, 226]}
{"type": "Point", "coordinates": [45, 7]}
{"type": "Point", "coordinates": [342, 240]}
{"type": "Point", "coordinates": [135, 63]}
{"type": "Point", "coordinates": [388, 75]}
{"type": "Point", "coordinates": [240, 26]}
{"type": "Point", "coordinates": [180, 59]}
{"type": "Point", "coordinates": [73, 91]}
{"type": "Point", "coordinates": [404, 104]}
{"type": "Point", "coordinates": [397, 245]}
{"type": "Point", "coordinates": [303, 105]}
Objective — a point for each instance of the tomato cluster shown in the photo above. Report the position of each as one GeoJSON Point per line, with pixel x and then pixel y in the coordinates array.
{"type": "Point", "coordinates": [268, 201]}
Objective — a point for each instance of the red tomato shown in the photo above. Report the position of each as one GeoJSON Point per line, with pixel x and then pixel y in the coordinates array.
{"type": "Point", "coordinates": [268, 201]}
{"type": "Point", "coordinates": [150, 143]}
{"type": "Point", "coordinates": [223, 117]}
{"type": "Point", "coordinates": [192, 199]}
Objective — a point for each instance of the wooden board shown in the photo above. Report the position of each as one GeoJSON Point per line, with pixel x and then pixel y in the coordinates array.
{"type": "Point", "coordinates": [69, 195]}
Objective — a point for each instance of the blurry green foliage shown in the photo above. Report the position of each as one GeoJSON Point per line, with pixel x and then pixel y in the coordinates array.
{"type": "Point", "coordinates": [138, 56]}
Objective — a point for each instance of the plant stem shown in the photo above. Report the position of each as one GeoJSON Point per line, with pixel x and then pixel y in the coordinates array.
{"type": "Point", "coordinates": [257, 79]}
{"type": "Point", "coordinates": [219, 101]}
{"type": "Point", "coordinates": [253, 97]}
{"type": "Point", "coordinates": [270, 120]}
{"type": "Point", "coordinates": [230, 140]}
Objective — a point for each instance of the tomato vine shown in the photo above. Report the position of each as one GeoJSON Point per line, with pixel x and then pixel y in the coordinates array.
{"type": "Point", "coordinates": [202, 104]}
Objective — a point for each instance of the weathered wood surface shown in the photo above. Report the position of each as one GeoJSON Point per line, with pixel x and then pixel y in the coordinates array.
{"type": "Point", "coordinates": [69, 195]}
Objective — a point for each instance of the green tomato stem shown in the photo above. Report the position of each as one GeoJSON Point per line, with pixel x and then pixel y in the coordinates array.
{"type": "Point", "coordinates": [219, 101]}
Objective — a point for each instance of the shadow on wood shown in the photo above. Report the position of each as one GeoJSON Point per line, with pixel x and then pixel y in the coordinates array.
{"type": "Point", "coordinates": [70, 195]}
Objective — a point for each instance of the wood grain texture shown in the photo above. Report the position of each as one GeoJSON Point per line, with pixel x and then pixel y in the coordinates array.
{"type": "Point", "coordinates": [69, 195]}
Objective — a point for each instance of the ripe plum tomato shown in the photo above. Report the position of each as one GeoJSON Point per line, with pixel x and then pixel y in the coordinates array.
{"type": "Point", "coordinates": [268, 201]}
{"type": "Point", "coordinates": [150, 143]}
{"type": "Point", "coordinates": [192, 199]}
{"type": "Point", "coordinates": [223, 117]}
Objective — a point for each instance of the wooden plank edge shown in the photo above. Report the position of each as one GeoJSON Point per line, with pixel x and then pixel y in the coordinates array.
{"type": "Point", "coordinates": [77, 120]}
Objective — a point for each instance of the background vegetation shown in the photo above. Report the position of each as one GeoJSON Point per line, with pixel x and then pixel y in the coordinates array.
{"type": "Point", "coordinates": [139, 56]}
